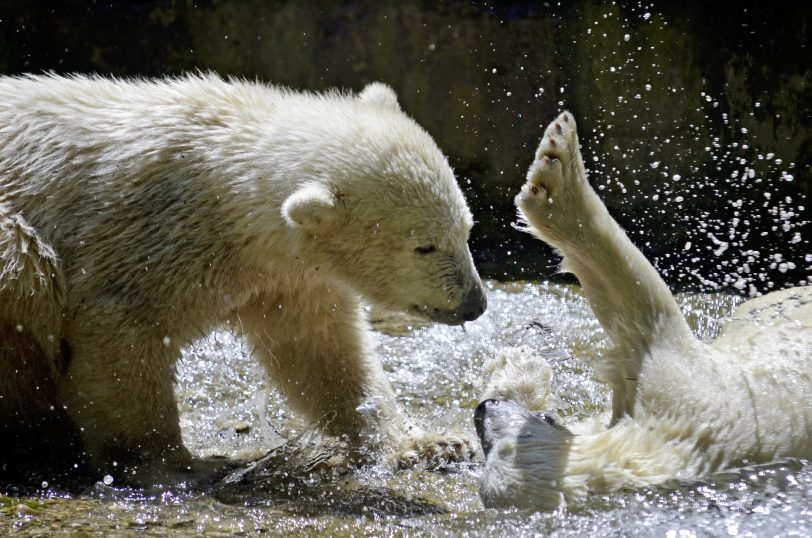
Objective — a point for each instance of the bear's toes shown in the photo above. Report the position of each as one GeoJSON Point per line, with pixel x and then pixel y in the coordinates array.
{"type": "Point", "coordinates": [544, 176]}
{"type": "Point", "coordinates": [551, 147]}
{"type": "Point", "coordinates": [434, 452]}
{"type": "Point", "coordinates": [559, 136]}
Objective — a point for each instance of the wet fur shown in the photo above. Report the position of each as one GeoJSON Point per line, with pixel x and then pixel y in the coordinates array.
{"type": "Point", "coordinates": [680, 407]}
{"type": "Point", "coordinates": [138, 215]}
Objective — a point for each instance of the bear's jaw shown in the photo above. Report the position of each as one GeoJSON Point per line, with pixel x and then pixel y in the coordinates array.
{"type": "Point", "coordinates": [512, 480]}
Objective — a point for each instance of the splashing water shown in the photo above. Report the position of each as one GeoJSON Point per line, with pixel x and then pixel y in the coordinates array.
{"type": "Point", "coordinates": [228, 407]}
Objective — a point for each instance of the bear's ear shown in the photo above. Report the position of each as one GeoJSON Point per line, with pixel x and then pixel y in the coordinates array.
{"type": "Point", "coordinates": [312, 207]}
{"type": "Point", "coordinates": [378, 93]}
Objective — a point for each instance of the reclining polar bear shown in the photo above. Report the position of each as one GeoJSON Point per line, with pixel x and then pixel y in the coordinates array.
{"type": "Point", "coordinates": [681, 408]}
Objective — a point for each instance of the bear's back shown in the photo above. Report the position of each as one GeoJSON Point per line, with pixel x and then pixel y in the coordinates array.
{"type": "Point", "coordinates": [758, 320]}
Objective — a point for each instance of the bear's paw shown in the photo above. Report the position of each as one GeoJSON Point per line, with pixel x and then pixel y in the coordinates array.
{"type": "Point", "coordinates": [553, 201]}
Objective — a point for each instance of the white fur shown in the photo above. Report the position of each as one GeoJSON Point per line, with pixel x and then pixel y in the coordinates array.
{"type": "Point", "coordinates": [137, 215]}
{"type": "Point", "coordinates": [681, 408]}
{"type": "Point", "coordinates": [517, 374]}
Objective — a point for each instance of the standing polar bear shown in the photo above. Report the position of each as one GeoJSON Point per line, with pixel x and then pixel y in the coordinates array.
{"type": "Point", "coordinates": [136, 216]}
{"type": "Point", "coordinates": [681, 408]}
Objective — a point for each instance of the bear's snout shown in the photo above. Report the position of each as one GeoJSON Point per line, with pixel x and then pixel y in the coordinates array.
{"type": "Point", "coordinates": [473, 304]}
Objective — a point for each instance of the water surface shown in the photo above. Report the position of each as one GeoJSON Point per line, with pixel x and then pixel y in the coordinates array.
{"type": "Point", "coordinates": [229, 408]}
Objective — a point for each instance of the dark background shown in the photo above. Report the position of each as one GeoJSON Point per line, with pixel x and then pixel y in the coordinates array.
{"type": "Point", "coordinates": [694, 116]}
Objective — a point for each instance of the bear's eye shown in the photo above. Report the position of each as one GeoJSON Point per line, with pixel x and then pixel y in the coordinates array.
{"type": "Point", "coordinates": [428, 249]}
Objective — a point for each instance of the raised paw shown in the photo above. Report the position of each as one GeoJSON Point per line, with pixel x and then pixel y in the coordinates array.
{"type": "Point", "coordinates": [551, 200]}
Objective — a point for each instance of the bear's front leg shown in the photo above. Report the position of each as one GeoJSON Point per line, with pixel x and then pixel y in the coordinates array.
{"type": "Point", "coordinates": [315, 344]}
{"type": "Point", "coordinates": [315, 349]}
{"type": "Point", "coordinates": [118, 390]}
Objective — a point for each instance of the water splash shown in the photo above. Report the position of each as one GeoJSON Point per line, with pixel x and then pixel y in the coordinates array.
{"type": "Point", "coordinates": [229, 407]}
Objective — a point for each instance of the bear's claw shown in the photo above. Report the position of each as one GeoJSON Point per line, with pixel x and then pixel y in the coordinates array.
{"type": "Point", "coordinates": [434, 453]}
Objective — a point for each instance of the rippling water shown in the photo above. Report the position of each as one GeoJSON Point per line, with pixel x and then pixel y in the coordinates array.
{"type": "Point", "coordinates": [229, 408]}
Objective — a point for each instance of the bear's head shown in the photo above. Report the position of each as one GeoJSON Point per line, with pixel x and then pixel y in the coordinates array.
{"type": "Point", "coordinates": [525, 456]}
{"type": "Point", "coordinates": [386, 215]}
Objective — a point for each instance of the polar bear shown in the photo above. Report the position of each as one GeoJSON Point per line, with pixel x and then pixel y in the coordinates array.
{"type": "Point", "coordinates": [138, 215]}
{"type": "Point", "coordinates": [681, 408]}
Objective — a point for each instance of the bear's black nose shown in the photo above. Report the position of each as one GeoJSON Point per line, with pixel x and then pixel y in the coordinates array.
{"type": "Point", "coordinates": [479, 424]}
{"type": "Point", "coordinates": [474, 304]}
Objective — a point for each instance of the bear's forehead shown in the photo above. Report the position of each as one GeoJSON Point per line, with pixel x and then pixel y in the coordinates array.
{"type": "Point", "coordinates": [434, 201]}
{"type": "Point", "coordinates": [447, 214]}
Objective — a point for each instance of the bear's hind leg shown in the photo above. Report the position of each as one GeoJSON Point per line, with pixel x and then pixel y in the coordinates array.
{"type": "Point", "coordinates": [33, 424]}
{"type": "Point", "coordinates": [119, 391]}
{"type": "Point", "coordinates": [631, 301]}
{"type": "Point", "coordinates": [35, 432]}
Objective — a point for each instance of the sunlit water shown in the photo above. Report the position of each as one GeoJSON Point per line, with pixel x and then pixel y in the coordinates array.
{"type": "Point", "coordinates": [229, 408]}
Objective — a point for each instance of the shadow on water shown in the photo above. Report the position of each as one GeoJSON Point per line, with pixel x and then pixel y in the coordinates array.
{"type": "Point", "coordinates": [308, 477]}
{"type": "Point", "coordinates": [29, 464]}
{"type": "Point", "coordinates": [305, 476]}
{"type": "Point", "coordinates": [30, 477]}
